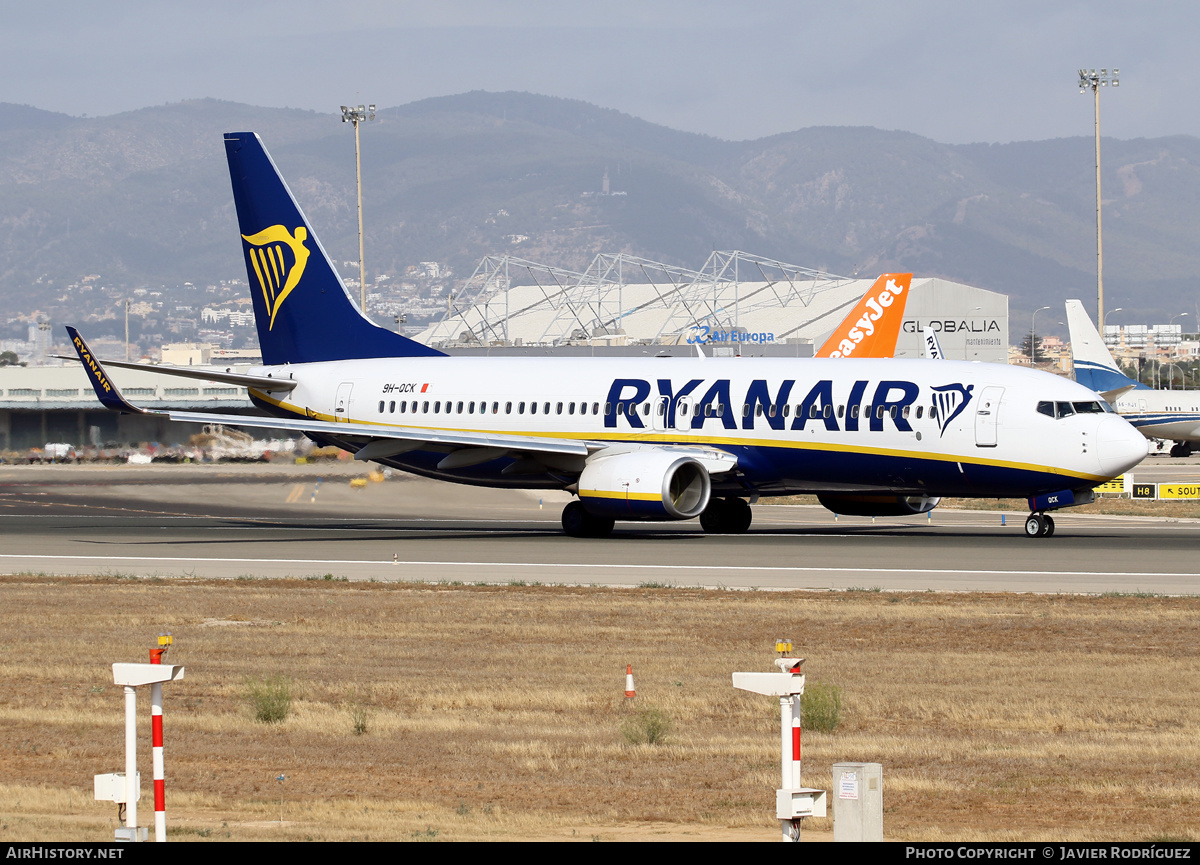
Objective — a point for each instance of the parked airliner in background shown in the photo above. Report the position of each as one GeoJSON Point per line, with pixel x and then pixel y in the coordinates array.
{"type": "Point", "coordinates": [1159, 414]}
{"type": "Point", "coordinates": [642, 438]}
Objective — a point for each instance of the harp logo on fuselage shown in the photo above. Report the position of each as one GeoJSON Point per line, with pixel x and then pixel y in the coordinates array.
{"type": "Point", "coordinates": [278, 258]}
{"type": "Point", "coordinates": [950, 400]}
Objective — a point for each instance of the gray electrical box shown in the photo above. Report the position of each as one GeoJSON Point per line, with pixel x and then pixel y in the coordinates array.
{"type": "Point", "coordinates": [857, 801]}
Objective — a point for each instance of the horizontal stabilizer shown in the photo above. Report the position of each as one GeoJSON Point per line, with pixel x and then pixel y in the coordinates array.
{"type": "Point", "coordinates": [1111, 396]}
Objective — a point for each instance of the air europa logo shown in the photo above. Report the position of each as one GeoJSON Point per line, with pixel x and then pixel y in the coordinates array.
{"type": "Point", "coordinates": [278, 258]}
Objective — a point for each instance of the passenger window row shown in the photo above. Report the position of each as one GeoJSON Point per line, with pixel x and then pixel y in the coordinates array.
{"type": "Point", "coordinates": [471, 407]}
{"type": "Point", "coordinates": [582, 408]}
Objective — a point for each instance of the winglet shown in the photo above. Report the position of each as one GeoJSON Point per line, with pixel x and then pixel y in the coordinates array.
{"type": "Point", "coordinates": [105, 390]}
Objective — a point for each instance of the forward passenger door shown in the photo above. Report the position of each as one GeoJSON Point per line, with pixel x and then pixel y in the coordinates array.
{"type": "Point", "coordinates": [987, 414]}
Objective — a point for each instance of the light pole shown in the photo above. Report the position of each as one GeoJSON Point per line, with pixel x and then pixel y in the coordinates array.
{"type": "Point", "coordinates": [1095, 80]}
{"type": "Point", "coordinates": [1104, 324]}
{"type": "Point", "coordinates": [1033, 336]}
{"type": "Point", "coordinates": [358, 114]}
{"type": "Point", "coordinates": [1171, 379]}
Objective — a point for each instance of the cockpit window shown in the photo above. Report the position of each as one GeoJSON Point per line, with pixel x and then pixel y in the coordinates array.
{"type": "Point", "coordinates": [1067, 409]}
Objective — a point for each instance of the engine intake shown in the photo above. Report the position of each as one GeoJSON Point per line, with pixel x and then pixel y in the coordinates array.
{"type": "Point", "coordinates": [645, 485]}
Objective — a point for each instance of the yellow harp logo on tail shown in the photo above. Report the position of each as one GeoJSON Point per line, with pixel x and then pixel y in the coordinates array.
{"type": "Point", "coordinates": [278, 258]}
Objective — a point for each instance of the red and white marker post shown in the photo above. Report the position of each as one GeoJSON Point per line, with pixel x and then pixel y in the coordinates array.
{"type": "Point", "coordinates": [630, 691]}
{"type": "Point", "coordinates": [156, 734]}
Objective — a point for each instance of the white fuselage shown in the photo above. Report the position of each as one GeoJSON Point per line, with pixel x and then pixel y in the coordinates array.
{"type": "Point", "coordinates": [794, 425]}
{"type": "Point", "coordinates": [1163, 414]}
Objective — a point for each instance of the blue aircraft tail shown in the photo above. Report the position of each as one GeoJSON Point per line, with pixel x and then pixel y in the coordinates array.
{"type": "Point", "coordinates": [301, 306]}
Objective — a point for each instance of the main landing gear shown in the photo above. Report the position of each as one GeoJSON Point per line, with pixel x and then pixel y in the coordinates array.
{"type": "Point", "coordinates": [1181, 449]}
{"type": "Point", "coordinates": [1039, 525]}
{"type": "Point", "coordinates": [578, 523]}
{"type": "Point", "coordinates": [730, 516]}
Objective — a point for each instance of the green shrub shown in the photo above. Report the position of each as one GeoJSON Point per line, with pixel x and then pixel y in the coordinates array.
{"type": "Point", "coordinates": [270, 698]}
{"type": "Point", "coordinates": [821, 707]}
{"type": "Point", "coordinates": [649, 726]}
{"type": "Point", "coordinates": [358, 719]}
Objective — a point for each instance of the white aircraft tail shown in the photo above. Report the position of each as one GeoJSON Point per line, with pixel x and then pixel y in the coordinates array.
{"type": "Point", "coordinates": [1094, 364]}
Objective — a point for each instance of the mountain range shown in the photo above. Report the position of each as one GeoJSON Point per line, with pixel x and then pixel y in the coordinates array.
{"type": "Point", "coordinates": [142, 198]}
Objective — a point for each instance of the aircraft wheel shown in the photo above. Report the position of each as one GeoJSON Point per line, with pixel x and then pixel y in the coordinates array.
{"type": "Point", "coordinates": [1049, 521]}
{"type": "Point", "coordinates": [601, 527]}
{"type": "Point", "coordinates": [1185, 449]}
{"type": "Point", "coordinates": [578, 523]}
{"type": "Point", "coordinates": [740, 516]}
{"type": "Point", "coordinates": [715, 517]}
{"type": "Point", "coordinates": [1035, 526]}
{"type": "Point", "coordinates": [1176, 451]}
{"type": "Point", "coordinates": [574, 520]}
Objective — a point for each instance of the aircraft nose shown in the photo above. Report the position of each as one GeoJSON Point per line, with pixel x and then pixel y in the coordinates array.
{"type": "Point", "coordinates": [1119, 446]}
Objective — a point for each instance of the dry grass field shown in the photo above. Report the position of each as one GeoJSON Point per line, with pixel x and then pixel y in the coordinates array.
{"type": "Point", "coordinates": [447, 712]}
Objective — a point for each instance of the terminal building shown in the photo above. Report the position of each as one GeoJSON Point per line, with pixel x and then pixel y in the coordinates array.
{"type": "Point", "coordinates": [57, 404]}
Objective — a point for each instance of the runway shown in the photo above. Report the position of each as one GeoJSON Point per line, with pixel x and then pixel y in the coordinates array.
{"type": "Point", "coordinates": [308, 522]}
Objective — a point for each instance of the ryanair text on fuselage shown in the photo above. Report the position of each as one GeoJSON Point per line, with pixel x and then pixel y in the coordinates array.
{"type": "Point", "coordinates": [769, 403]}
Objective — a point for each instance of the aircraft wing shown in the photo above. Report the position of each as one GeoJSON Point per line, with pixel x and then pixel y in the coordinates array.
{"type": "Point", "coordinates": [261, 382]}
{"type": "Point", "coordinates": [382, 440]}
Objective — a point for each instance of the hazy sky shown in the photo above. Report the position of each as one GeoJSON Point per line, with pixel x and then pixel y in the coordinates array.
{"type": "Point", "coordinates": [953, 70]}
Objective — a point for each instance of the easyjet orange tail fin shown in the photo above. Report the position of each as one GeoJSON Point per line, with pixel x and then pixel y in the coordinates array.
{"type": "Point", "coordinates": [873, 326]}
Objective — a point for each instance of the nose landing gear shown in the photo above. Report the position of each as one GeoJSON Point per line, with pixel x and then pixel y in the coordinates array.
{"type": "Point", "coordinates": [1039, 525]}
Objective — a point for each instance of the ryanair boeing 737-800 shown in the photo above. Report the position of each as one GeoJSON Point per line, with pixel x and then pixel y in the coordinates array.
{"type": "Point", "coordinates": [644, 438]}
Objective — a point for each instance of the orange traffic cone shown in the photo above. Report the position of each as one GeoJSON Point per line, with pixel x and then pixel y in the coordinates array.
{"type": "Point", "coordinates": [630, 693]}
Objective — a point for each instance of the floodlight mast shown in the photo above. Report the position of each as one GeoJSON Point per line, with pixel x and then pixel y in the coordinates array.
{"type": "Point", "coordinates": [358, 114]}
{"type": "Point", "coordinates": [1095, 80]}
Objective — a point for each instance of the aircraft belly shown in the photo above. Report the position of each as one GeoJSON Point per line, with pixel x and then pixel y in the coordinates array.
{"type": "Point", "coordinates": [489, 474]}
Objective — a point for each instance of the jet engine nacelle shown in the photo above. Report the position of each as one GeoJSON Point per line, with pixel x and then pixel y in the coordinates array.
{"type": "Point", "coordinates": [645, 485]}
{"type": "Point", "coordinates": [877, 506]}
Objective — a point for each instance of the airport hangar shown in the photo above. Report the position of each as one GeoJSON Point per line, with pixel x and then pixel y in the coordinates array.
{"type": "Point", "coordinates": [737, 304]}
